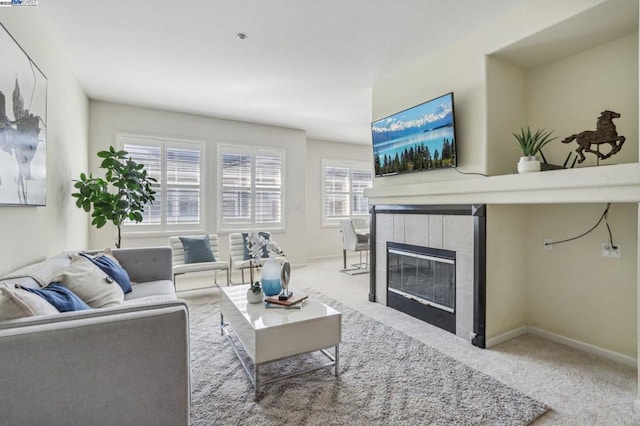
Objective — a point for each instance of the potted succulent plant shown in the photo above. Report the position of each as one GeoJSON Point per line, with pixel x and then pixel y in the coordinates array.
{"type": "Point", "coordinates": [531, 144]}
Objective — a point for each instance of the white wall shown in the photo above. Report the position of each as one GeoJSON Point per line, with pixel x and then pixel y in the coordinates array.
{"type": "Point", "coordinates": [461, 68]}
{"type": "Point", "coordinates": [494, 98]}
{"type": "Point", "coordinates": [506, 114]}
{"type": "Point", "coordinates": [33, 233]}
{"type": "Point", "coordinates": [565, 293]}
{"type": "Point", "coordinates": [568, 96]}
{"type": "Point", "coordinates": [107, 118]}
{"type": "Point", "coordinates": [506, 269]}
{"type": "Point", "coordinates": [572, 290]}
{"type": "Point", "coordinates": [326, 241]}
{"type": "Point", "coordinates": [304, 178]}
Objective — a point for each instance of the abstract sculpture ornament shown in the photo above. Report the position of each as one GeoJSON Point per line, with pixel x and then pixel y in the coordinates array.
{"type": "Point", "coordinates": [285, 276]}
{"type": "Point", "coordinates": [605, 133]}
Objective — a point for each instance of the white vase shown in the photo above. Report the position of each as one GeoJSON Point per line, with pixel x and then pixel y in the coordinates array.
{"type": "Point", "coordinates": [528, 164]}
{"type": "Point", "coordinates": [255, 297]}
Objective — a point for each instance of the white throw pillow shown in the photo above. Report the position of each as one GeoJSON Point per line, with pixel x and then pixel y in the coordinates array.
{"type": "Point", "coordinates": [18, 303]}
{"type": "Point", "coordinates": [92, 285]}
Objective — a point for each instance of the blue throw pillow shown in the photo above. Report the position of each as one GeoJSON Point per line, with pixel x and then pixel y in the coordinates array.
{"type": "Point", "coordinates": [60, 296]}
{"type": "Point", "coordinates": [265, 249]}
{"type": "Point", "coordinates": [113, 269]}
{"type": "Point", "coordinates": [197, 249]}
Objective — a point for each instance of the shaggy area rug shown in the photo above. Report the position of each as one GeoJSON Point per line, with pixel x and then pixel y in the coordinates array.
{"type": "Point", "coordinates": [386, 378]}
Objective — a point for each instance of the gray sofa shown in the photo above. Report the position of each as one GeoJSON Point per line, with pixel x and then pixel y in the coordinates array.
{"type": "Point", "coordinates": [124, 365]}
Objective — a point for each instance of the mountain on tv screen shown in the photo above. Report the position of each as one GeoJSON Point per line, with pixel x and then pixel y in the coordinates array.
{"type": "Point", "coordinates": [418, 138]}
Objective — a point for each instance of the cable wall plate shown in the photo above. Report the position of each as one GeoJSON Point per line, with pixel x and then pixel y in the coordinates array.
{"type": "Point", "coordinates": [614, 252]}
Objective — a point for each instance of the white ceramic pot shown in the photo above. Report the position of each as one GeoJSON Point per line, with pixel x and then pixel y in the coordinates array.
{"type": "Point", "coordinates": [528, 164]}
{"type": "Point", "coordinates": [255, 297]}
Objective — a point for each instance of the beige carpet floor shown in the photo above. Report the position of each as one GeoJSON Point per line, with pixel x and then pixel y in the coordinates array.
{"type": "Point", "coordinates": [386, 378]}
{"type": "Point", "coordinates": [580, 388]}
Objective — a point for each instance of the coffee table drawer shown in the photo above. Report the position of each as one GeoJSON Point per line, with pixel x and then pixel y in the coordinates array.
{"type": "Point", "coordinates": [296, 338]}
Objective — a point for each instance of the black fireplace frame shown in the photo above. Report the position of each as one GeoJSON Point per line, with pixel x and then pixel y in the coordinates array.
{"type": "Point", "coordinates": [479, 213]}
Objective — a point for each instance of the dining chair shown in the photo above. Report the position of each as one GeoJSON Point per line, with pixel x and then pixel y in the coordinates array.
{"type": "Point", "coordinates": [351, 242]}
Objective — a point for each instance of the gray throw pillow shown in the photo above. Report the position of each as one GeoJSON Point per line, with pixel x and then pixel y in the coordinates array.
{"type": "Point", "coordinates": [197, 249]}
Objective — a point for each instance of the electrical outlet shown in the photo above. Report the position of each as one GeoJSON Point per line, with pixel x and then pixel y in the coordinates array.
{"type": "Point", "coordinates": [613, 252]}
{"type": "Point", "coordinates": [547, 244]}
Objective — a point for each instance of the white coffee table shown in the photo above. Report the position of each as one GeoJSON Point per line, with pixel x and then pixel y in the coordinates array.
{"type": "Point", "coordinates": [267, 335]}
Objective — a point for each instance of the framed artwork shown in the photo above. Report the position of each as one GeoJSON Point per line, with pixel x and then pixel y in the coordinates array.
{"type": "Point", "coordinates": [23, 127]}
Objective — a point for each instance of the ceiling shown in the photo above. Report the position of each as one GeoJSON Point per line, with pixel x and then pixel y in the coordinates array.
{"type": "Point", "coordinates": [305, 64]}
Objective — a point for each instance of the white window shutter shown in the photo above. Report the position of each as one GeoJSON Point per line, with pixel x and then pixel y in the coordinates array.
{"type": "Point", "coordinates": [178, 168]}
{"type": "Point", "coordinates": [183, 186]}
{"type": "Point", "coordinates": [343, 190]}
{"type": "Point", "coordinates": [252, 188]}
{"type": "Point", "coordinates": [151, 157]}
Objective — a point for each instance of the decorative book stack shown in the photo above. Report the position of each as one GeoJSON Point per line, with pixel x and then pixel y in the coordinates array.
{"type": "Point", "coordinates": [293, 302]}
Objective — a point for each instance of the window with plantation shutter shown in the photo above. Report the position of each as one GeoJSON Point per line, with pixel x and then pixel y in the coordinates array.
{"type": "Point", "coordinates": [178, 167]}
{"type": "Point", "coordinates": [183, 186]}
{"type": "Point", "coordinates": [343, 190]}
{"type": "Point", "coordinates": [336, 192]}
{"type": "Point", "coordinates": [360, 179]}
{"type": "Point", "coordinates": [151, 157]}
{"type": "Point", "coordinates": [251, 196]}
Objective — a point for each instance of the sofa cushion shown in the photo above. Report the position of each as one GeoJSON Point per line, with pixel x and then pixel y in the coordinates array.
{"type": "Point", "coordinates": [158, 298]}
{"type": "Point", "coordinates": [63, 299]}
{"type": "Point", "coordinates": [90, 283]}
{"type": "Point", "coordinates": [197, 249]}
{"type": "Point", "coordinates": [152, 288]}
{"type": "Point", "coordinates": [19, 303]}
{"type": "Point", "coordinates": [110, 266]}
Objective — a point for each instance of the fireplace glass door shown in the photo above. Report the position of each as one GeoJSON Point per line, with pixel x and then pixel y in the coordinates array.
{"type": "Point", "coordinates": [426, 278]}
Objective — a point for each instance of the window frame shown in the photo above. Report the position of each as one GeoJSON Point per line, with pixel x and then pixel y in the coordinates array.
{"type": "Point", "coordinates": [134, 230]}
{"type": "Point", "coordinates": [352, 165]}
{"type": "Point", "coordinates": [251, 224]}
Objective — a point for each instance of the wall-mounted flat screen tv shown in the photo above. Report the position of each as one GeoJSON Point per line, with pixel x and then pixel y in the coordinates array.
{"type": "Point", "coordinates": [418, 138]}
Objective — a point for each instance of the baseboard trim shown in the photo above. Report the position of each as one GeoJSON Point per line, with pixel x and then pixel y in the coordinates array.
{"type": "Point", "coordinates": [331, 256]}
{"type": "Point", "coordinates": [585, 347]}
{"type": "Point", "coordinates": [501, 338]}
{"type": "Point", "coordinates": [567, 341]}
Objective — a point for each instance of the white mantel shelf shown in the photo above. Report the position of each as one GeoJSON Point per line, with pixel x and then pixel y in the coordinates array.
{"type": "Point", "coordinates": [615, 183]}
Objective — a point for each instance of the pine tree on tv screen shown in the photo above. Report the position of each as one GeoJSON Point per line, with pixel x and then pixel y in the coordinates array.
{"type": "Point", "coordinates": [419, 138]}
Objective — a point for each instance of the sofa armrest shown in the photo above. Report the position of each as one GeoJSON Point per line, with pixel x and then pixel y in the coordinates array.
{"type": "Point", "coordinates": [127, 366]}
{"type": "Point", "coordinates": [146, 263]}
{"type": "Point", "coordinates": [101, 314]}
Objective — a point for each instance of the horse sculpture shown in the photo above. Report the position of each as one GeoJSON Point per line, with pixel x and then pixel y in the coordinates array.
{"type": "Point", "coordinates": [605, 133]}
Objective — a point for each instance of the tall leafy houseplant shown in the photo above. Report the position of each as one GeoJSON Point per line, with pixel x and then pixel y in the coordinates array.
{"type": "Point", "coordinates": [121, 195]}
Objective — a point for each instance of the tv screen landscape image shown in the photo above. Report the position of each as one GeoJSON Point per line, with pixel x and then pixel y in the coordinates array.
{"type": "Point", "coordinates": [418, 138]}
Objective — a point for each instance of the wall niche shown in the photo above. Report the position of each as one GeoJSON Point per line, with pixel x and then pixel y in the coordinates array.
{"type": "Point", "coordinates": [562, 78]}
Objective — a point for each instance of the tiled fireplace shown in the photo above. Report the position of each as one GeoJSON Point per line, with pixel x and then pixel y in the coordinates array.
{"type": "Point", "coordinates": [429, 262]}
